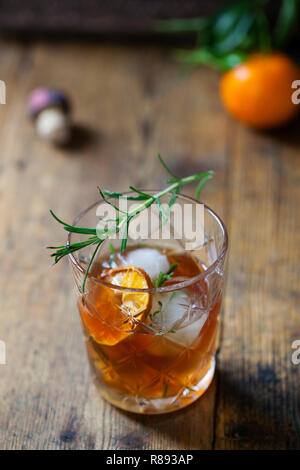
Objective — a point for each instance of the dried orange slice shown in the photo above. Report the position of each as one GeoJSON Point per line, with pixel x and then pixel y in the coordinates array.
{"type": "Point", "coordinates": [134, 304]}
{"type": "Point", "coordinates": [110, 315]}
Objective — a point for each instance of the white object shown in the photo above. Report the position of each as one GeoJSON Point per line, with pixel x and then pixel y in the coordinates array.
{"type": "Point", "coordinates": [53, 124]}
{"type": "Point", "coordinates": [175, 311]}
{"type": "Point", "coordinates": [186, 336]}
{"type": "Point", "coordinates": [169, 309]}
{"type": "Point", "coordinates": [149, 259]}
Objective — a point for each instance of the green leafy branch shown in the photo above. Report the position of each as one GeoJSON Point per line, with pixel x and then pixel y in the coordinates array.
{"type": "Point", "coordinates": [226, 38]}
{"type": "Point", "coordinates": [122, 220]}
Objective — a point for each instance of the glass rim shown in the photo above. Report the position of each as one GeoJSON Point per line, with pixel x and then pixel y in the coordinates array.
{"type": "Point", "coordinates": [171, 287]}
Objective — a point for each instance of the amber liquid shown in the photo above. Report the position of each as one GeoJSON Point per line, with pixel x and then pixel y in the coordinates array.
{"type": "Point", "coordinates": [143, 371]}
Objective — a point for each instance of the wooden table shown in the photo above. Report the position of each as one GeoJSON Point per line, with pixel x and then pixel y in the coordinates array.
{"type": "Point", "coordinates": [131, 102]}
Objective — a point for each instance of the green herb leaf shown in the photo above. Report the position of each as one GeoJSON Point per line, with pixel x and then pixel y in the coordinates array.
{"type": "Point", "coordinates": [109, 202]}
{"type": "Point", "coordinates": [89, 265]}
{"type": "Point", "coordinates": [162, 278]}
{"type": "Point", "coordinates": [263, 32]}
{"type": "Point", "coordinates": [125, 235]}
{"type": "Point", "coordinates": [112, 258]}
{"type": "Point", "coordinates": [227, 37]}
{"type": "Point", "coordinates": [165, 390]}
{"type": "Point", "coordinates": [226, 19]}
{"type": "Point", "coordinates": [205, 178]}
{"type": "Point", "coordinates": [157, 311]}
{"type": "Point", "coordinates": [189, 25]}
{"type": "Point", "coordinates": [204, 56]}
{"type": "Point", "coordinates": [116, 195]}
{"type": "Point", "coordinates": [71, 228]}
{"type": "Point", "coordinates": [286, 22]}
{"type": "Point", "coordinates": [236, 36]}
{"type": "Point", "coordinates": [174, 177]}
{"type": "Point", "coordinates": [162, 333]}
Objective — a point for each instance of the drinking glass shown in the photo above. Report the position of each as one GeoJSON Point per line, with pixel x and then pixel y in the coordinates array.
{"type": "Point", "coordinates": [166, 365]}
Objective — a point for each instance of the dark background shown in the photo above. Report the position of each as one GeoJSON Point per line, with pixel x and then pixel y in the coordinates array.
{"type": "Point", "coordinates": [92, 17]}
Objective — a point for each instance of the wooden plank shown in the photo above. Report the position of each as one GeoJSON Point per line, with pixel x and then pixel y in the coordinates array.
{"type": "Point", "coordinates": [258, 397]}
{"type": "Point", "coordinates": [130, 103]}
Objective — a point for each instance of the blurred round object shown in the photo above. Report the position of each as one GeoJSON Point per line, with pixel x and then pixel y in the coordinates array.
{"type": "Point", "coordinates": [54, 125]}
{"type": "Point", "coordinates": [50, 110]}
{"type": "Point", "coordinates": [258, 92]}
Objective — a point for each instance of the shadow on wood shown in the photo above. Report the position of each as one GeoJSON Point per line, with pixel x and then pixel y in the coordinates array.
{"type": "Point", "coordinates": [81, 137]}
{"type": "Point", "coordinates": [263, 422]}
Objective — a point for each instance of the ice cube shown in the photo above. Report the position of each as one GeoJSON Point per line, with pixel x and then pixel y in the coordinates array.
{"type": "Point", "coordinates": [149, 259]}
{"type": "Point", "coordinates": [176, 311]}
{"type": "Point", "coordinates": [169, 309]}
{"type": "Point", "coordinates": [186, 336]}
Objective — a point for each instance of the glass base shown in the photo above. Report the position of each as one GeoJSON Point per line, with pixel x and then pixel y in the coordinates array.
{"type": "Point", "coordinates": [135, 404]}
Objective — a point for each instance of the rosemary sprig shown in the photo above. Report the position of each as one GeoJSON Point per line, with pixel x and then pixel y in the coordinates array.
{"type": "Point", "coordinates": [162, 278]}
{"type": "Point", "coordinates": [162, 307]}
{"type": "Point", "coordinates": [122, 220]}
{"type": "Point", "coordinates": [112, 258]}
{"type": "Point", "coordinates": [151, 315]}
{"type": "Point", "coordinates": [165, 389]}
{"type": "Point", "coordinates": [162, 332]}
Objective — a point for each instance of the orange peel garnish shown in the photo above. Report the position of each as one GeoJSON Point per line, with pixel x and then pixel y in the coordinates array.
{"type": "Point", "coordinates": [134, 304]}
{"type": "Point", "coordinates": [119, 312]}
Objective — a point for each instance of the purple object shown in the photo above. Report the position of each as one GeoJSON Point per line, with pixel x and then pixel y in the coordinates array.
{"type": "Point", "coordinates": [41, 98]}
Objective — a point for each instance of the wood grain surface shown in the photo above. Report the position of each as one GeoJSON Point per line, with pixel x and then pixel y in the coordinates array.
{"type": "Point", "coordinates": [131, 102]}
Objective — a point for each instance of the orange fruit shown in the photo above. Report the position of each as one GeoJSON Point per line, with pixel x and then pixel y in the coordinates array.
{"type": "Point", "coordinates": [259, 91]}
{"type": "Point", "coordinates": [110, 315]}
